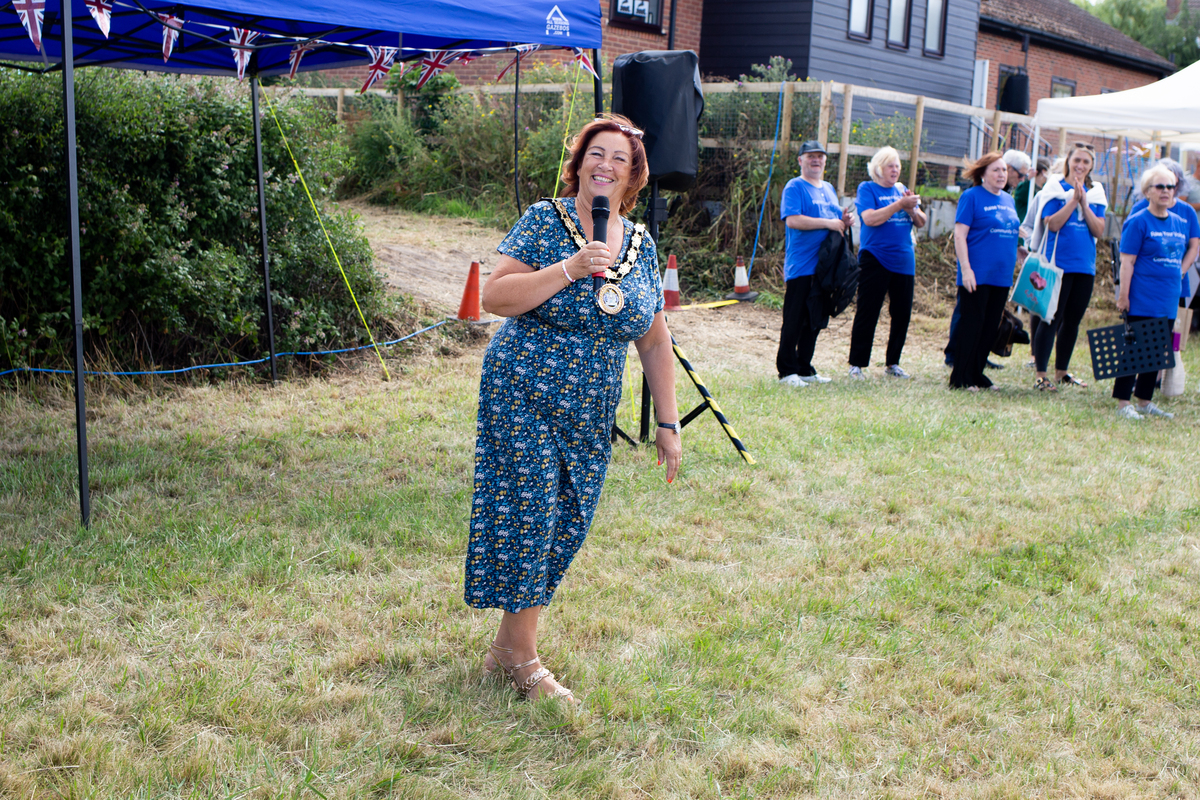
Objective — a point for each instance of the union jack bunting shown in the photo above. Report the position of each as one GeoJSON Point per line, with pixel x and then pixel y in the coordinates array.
{"type": "Point", "coordinates": [31, 13]}
{"type": "Point", "coordinates": [101, 11]}
{"type": "Point", "coordinates": [583, 61]}
{"type": "Point", "coordinates": [171, 25]}
{"type": "Point", "coordinates": [434, 64]}
{"type": "Point", "coordinates": [381, 64]}
{"type": "Point", "coordinates": [522, 50]}
{"type": "Point", "coordinates": [241, 56]}
{"type": "Point", "coordinates": [467, 58]}
{"type": "Point", "coordinates": [298, 53]}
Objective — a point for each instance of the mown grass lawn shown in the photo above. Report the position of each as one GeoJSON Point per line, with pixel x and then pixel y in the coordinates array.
{"type": "Point", "coordinates": [914, 593]}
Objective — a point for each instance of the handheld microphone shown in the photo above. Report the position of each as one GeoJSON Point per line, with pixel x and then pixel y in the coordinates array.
{"type": "Point", "coordinates": [599, 233]}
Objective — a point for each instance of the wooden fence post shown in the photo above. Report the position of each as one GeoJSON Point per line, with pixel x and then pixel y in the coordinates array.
{"type": "Point", "coordinates": [844, 156]}
{"type": "Point", "coordinates": [823, 113]}
{"type": "Point", "coordinates": [915, 157]}
{"type": "Point", "coordinates": [996, 130]}
{"type": "Point", "coordinates": [785, 132]}
{"type": "Point", "coordinates": [1062, 142]}
{"type": "Point", "coordinates": [341, 109]}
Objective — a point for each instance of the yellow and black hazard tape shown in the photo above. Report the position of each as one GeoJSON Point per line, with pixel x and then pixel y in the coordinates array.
{"type": "Point", "coordinates": [709, 403]}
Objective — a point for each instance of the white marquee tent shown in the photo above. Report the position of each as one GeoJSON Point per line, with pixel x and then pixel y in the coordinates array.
{"type": "Point", "coordinates": [1165, 111]}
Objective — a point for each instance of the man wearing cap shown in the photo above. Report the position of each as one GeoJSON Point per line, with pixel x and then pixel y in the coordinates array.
{"type": "Point", "coordinates": [810, 210]}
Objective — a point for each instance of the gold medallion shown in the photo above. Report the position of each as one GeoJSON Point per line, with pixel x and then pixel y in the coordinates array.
{"type": "Point", "coordinates": [610, 298]}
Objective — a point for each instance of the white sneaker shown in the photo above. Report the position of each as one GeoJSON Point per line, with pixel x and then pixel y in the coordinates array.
{"type": "Point", "coordinates": [1128, 412]}
{"type": "Point", "coordinates": [856, 374]}
{"type": "Point", "coordinates": [1151, 410]}
{"type": "Point", "coordinates": [793, 380]}
{"type": "Point", "coordinates": [896, 371]}
{"type": "Point", "coordinates": [815, 378]}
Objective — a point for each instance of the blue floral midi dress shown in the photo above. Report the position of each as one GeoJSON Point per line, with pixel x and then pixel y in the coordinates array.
{"type": "Point", "coordinates": [548, 396]}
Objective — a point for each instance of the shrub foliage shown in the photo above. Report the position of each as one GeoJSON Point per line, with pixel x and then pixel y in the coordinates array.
{"type": "Point", "coordinates": [169, 216]}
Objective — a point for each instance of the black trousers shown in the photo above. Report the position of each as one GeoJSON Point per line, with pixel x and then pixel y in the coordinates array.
{"type": "Point", "coordinates": [797, 339]}
{"type": "Point", "coordinates": [875, 282]}
{"type": "Point", "coordinates": [1141, 385]}
{"type": "Point", "coordinates": [1073, 301]}
{"type": "Point", "coordinates": [981, 312]}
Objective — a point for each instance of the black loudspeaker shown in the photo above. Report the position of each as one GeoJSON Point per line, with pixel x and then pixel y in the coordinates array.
{"type": "Point", "coordinates": [659, 90]}
{"type": "Point", "coordinates": [1015, 96]}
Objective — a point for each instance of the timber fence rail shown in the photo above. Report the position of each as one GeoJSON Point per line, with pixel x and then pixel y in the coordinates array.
{"type": "Point", "coordinates": [991, 121]}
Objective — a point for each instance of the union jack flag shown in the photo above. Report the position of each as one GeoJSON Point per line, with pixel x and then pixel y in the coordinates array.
{"type": "Point", "coordinates": [467, 58]}
{"type": "Point", "coordinates": [101, 12]}
{"type": "Point", "coordinates": [522, 50]}
{"type": "Point", "coordinates": [434, 64]}
{"type": "Point", "coordinates": [171, 25]}
{"type": "Point", "coordinates": [583, 61]}
{"type": "Point", "coordinates": [298, 53]}
{"type": "Point", "coordinates": [241, 55]}
{"type": "Point", "coordinates": [381, 64]}
{"type": "Point", "coordinates": [31, 13]}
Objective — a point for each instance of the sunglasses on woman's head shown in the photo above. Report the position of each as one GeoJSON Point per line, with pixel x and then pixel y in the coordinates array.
{"type": "Point", "coordinates": [1084, 145]}
{"type": "Point", "coordinates": [634, 132]}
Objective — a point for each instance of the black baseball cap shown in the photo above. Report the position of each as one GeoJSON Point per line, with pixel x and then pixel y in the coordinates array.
{"type": "Point", "coordinates": [812, 146]}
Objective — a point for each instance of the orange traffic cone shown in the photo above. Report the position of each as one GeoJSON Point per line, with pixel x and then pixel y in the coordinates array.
{"type": "Point", "coordinates": [469, 308]}
{"type": "Point", "coordinates": [671, 285]}
{"type": "Point", "coordinates": [741, 284]}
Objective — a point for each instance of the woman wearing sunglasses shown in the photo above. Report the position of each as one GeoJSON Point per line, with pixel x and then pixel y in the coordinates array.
{"type": "Point", "coordinates": [1071, 218]}
{"type": "Point", "coordinates": [1181, 208]}
{"type": "Point", "coordinates": [1152, 249]}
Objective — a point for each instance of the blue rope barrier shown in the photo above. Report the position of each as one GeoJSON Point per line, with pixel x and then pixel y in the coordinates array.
{"type": "Point", "coordinates": [219, 366]}
{"type": "Point", "coordinates": [770, 173]}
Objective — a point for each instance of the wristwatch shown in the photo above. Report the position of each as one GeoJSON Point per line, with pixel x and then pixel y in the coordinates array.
{"type": "Point", "coordinates": [675, 426]}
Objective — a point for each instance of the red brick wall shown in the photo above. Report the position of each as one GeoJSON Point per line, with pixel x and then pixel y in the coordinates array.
{"type": "Point", "coordinates": [1045, 63]}
{"type": "Point", "coordinates": [617, 40]}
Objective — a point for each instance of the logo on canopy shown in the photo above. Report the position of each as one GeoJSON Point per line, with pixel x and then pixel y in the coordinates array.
{"type": "Point", "coordinates": [557, 23]}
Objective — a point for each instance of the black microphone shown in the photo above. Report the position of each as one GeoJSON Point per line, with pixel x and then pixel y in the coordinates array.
{"type": "Point", "coordinates": [599, 233]}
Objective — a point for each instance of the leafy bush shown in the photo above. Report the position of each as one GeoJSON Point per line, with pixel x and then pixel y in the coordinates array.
{"type": "Point", "coordinates": [170, 237]}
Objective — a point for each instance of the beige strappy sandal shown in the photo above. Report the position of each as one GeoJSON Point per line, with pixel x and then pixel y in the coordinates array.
{"type": "Point", "coordinates": [528, 686]}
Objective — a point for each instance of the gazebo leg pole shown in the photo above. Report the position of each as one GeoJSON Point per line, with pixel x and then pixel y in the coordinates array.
{"type": "Point", "coordinates": [598, 82]}
{"type": "Point", "coordinates": [262, 224]}
{"type": "Point", "coordinates": [85, 500]}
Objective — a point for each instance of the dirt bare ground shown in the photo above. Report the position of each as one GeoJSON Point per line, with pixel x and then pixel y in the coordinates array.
{"type": "Point", "coordinates": [429, 258]}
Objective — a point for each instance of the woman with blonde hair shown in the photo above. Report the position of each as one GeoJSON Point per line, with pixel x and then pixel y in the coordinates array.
{"type": "Point", "coordinates": [985, 240]}
{"type": "Point", "coordinates": [1153, 243]}
{"type": "Point", "coordinates": [1071, 218]}
{"type": "Point", "coordinates": [888, 211]}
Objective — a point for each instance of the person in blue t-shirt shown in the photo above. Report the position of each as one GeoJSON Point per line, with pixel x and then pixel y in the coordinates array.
{"type": "Point", "coordinates": [1182, 208]}
{"type": "Point", "coordinates": [985, 241]}
{"type": "Point", "coordinates": [1152, 247]}
{"type": "Point", "coordinates": [810, 210]}
{"type": "Point", "coordinates": [1073, 217]}
{"type": "Point", "coordinates": [888, 212]}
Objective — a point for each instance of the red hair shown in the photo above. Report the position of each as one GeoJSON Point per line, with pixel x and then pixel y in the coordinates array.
{"type": "Point", "coordinates": [974, 173]}
{"type": "Point", "coordinates": [639, 167]}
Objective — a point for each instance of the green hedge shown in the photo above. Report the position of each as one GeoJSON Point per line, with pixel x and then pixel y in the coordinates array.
{"type": "Point", "coordinates": [170, 237]}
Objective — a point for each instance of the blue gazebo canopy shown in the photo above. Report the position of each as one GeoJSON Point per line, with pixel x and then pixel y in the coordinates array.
{"type": "Point", "coordinates": [341, 31]}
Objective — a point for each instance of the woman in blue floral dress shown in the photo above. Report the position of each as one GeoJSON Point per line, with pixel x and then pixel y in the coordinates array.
{"type": "Point", "coordinates": [550, 388]}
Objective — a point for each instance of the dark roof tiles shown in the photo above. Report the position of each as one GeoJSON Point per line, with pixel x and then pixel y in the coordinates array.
{"type": "Point", "coordinates": [1066, 20]}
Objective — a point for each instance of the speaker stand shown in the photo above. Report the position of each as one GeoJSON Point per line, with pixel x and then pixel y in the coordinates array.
{"type": "Point", "coordinates": [656, 212]}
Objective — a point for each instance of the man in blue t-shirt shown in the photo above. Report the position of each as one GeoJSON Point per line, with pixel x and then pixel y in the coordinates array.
{"type": "Point", "coordinates": [810, 209]}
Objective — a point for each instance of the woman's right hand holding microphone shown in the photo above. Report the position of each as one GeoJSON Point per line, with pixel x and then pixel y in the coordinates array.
{"type": "Point", "coordinates": [593, 257]}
